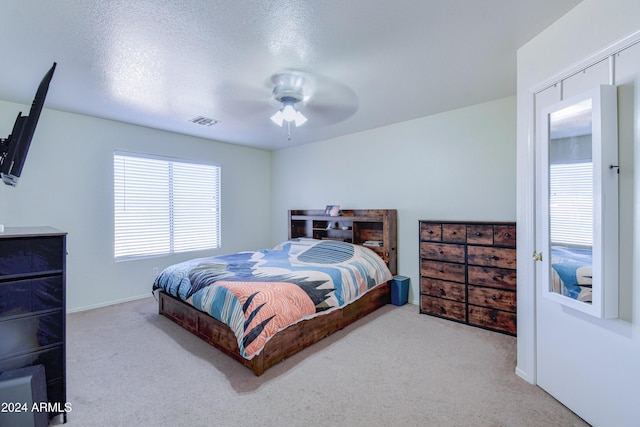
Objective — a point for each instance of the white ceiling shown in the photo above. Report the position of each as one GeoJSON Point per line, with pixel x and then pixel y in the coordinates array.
{"type": "Point", "coordinates": [160, 63]}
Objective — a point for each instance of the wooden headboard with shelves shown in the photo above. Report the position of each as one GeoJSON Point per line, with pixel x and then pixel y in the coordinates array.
{"type": "Point", "coordinates": [373, 228]}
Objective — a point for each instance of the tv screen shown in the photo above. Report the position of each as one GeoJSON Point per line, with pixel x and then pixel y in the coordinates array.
{"type": "Point", "coordinates": [13, 149]}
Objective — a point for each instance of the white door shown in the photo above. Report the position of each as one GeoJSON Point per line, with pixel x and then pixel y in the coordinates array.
{"type": "Point", "coordinates": [581, 358]}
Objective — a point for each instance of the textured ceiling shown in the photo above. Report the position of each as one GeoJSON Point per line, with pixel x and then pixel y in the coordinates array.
{"type": "Point", "coordinates": [368, 63]}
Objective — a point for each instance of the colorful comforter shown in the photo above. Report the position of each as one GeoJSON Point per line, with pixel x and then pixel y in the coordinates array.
{"type": "Point", "coordinates": [260, 293]}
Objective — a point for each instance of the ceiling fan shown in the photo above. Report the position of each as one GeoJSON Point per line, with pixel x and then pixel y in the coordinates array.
{"type": "Point", "coordinates": [297, 98]}
{"type": "Point", "coordinates": [304, 96]}
{"type": "Point", "coordinates": [290, 99]}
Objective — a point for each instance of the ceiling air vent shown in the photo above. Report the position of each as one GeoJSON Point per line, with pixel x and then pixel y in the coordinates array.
{"type": "Point", "coordinates": [204, 121]}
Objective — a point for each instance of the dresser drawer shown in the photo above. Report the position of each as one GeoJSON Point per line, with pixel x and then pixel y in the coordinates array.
{"type": "Point", "coordinates": [456, 233]}
{"type": "Point", "coordinates": [430, 231]}
{"type": "Point", "coordinates": [492, 318]}
{"type": "Point", "coordinates": [28, 255]}
{"type": "Point", "coordinates": [492, 277]}
{"type": "Point", "coordinates": [443, 289]}
{"type": "Point", "coordinates": [491, 257]}
{"type": "Point", "coordinates": [443, 270]}
{"type": "Point", "coordinates": [443, 307]}
{"type": "Point", "coordinates": [24, 334]}
{"type": "Point", "coordinates": [442, 251]}
{"type": "Point", "coordinates": [30, 295]}
{"type": "Point", "coordinates": [51, 357]}
{"type": "Point", "coordinates": [480, 234]}
{"type": "Point", "coordinates": [492, 298]}
{"type": "Point", "coordinates": [504, 235]}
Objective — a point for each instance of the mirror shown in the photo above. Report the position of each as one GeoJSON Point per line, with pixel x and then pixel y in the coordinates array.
{"type": "Point", "coordinates": [579, 185]}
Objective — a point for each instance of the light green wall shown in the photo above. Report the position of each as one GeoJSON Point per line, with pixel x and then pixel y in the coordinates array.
{"type": "Point", "coordinates": [67, 183]}
{"type": "Point", "coordinates": [458, 165]}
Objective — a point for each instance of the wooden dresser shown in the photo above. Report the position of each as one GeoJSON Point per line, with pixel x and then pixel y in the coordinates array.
{"type": "Point", "coordinates": [468, 273]}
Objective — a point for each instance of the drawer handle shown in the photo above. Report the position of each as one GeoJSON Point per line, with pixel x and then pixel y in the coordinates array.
{"type": "Point", "coordinates": [494, 277]}
{"type": "Point", "coordinates": [494, 318]}
{"type": "Point", "coordinates": [443, 310]}
{"type": "Point", "coordinates": [430, 231]}
{"type": "Point", "coordinates": [493, 297]}
{"type": "Point", "coordinates": [453, 233]}
{"type": "Point", "coordinates": [442, 292]}
{"type": "Point", "coordinates": [507, 235]}
{"type": "Point", "coordinates": [440, 251]}
{"type": "Point", "coordinates": [493, 257]}
{"type": "Point", "coordinates": [478, 233]}
{"type": "Point", "coordinates": [441, 270]}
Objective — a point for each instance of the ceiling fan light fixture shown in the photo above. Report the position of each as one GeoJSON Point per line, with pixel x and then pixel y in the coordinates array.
{"type": "Point", "coordinates": [288, 110]}
{"type": "Point", "coordinates": [277, 118]}
{"type": "Point", "coordinates": [289, 95]}
{"type": "Point", "coordinates": [300, 119]}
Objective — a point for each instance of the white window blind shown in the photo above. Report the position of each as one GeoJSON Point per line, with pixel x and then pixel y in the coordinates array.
{"type": "Point", "coordinates": [164, 206]}
{"type": "Point", "coordinates": [571, 203]}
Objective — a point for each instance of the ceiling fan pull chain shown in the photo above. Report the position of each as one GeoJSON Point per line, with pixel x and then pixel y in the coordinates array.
{"type": "Point", "coordinates": [289, 131]}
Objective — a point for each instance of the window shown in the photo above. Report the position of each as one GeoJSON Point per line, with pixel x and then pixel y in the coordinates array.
{"type": "Point", "coordinates": [571, 203]}
{"type": "Point", "coordinates": [164, 206]}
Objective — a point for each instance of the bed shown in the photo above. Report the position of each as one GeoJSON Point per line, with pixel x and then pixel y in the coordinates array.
{"type": "Point", "coordinates": [261, 307]}
{"type": "Point", "coordinates": [571, 272]}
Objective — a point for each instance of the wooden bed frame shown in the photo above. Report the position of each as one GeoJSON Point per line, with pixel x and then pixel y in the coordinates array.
{"type": "Point", "coordinates": [283, 344]}
{"type": "Point", "coordinates": [297, 336]}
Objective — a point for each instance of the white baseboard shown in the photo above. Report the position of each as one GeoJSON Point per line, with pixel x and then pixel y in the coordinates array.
{"type": "Point", "coordinates": [105, 304]}
{"type": "Point", "coordinates": [522, 374]}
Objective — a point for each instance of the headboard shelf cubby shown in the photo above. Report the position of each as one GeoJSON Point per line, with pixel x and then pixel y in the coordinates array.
{"type": "Point", "coordinates": [373, 228]}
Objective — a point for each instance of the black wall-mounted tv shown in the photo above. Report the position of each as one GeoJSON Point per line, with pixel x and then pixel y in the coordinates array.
{"type": "Point", "coordinates": [14, 148]}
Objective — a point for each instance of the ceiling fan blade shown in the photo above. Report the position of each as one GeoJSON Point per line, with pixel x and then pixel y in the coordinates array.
{"type": "Point", "coordinates": [328, 114]}
{"type": "Point", "coordinates": [240, 100]}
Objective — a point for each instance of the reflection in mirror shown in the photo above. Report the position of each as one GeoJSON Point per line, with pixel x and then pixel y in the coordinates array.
{"type": "Point", "coordinates": [581, 234]}
{"type": "Point", "coordinates": [571, 201]}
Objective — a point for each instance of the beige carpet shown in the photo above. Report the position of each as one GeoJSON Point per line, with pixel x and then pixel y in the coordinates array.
{"type": "Point", "coordinates": [128, 366]}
